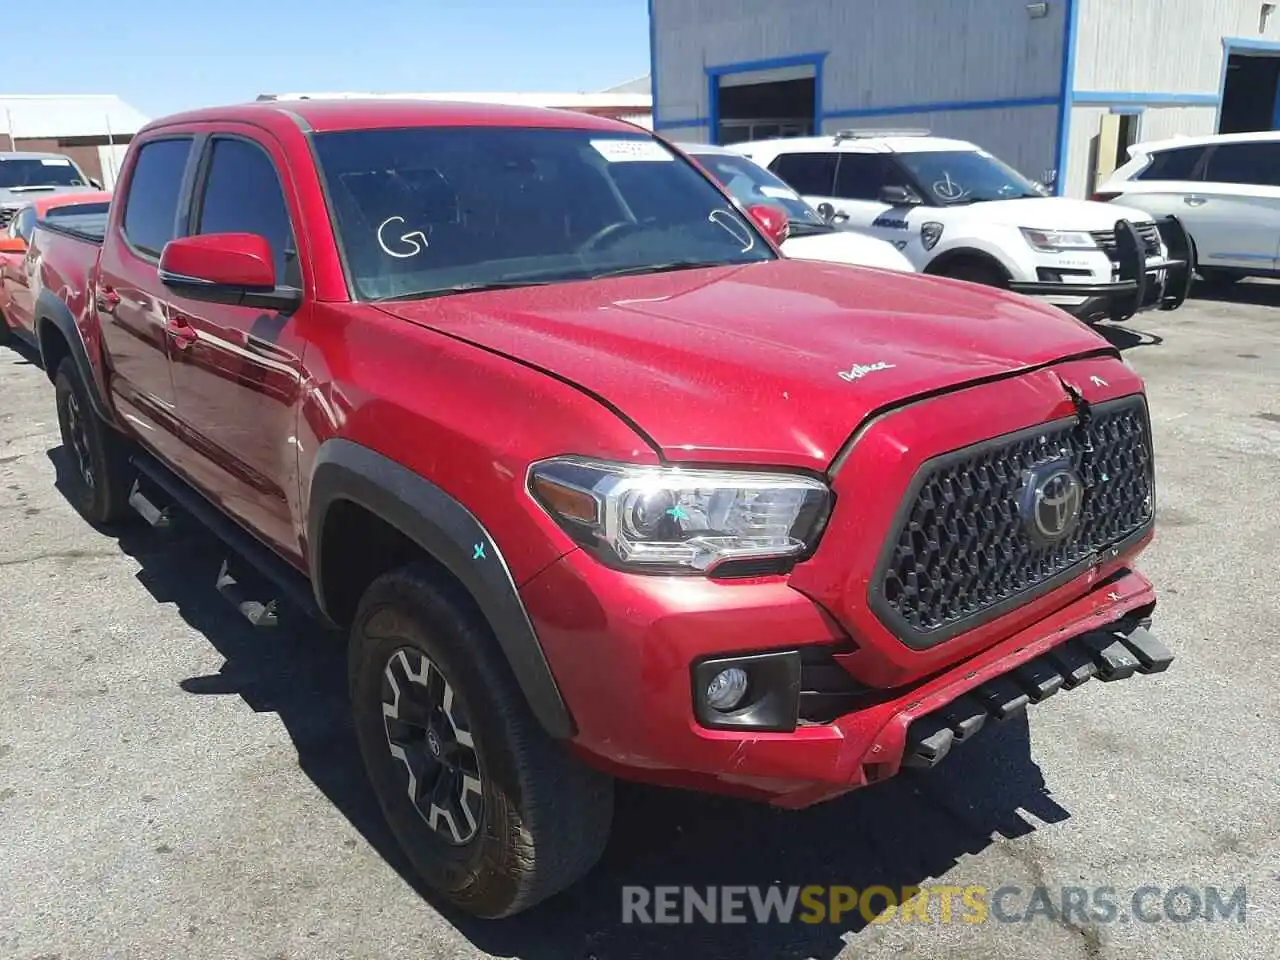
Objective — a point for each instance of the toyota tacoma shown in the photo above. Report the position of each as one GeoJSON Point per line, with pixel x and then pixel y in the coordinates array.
{"type": "Point", "coordinates": [599, 484]}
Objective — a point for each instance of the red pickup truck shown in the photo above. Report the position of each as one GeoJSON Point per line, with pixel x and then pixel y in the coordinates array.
{"type": "Point", "coordinates": [599, 483]}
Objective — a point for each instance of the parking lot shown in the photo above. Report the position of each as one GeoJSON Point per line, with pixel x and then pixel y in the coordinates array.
{"type": "Point", "coordinates": [174, 783]}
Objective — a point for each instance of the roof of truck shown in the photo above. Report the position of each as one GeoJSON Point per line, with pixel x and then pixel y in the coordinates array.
{"type": "Point", "coordinates": [322, 116]}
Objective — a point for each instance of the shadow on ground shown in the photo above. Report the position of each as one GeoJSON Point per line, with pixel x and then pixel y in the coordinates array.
{"type": "Point", "coordinates": [1245, 292]}
{"type": "Point", "coordinates": [1126, 338]}
{"type": "Point", "coordinates": [19, 353]}
{"type": "Point", "coordinates": [901, 833]}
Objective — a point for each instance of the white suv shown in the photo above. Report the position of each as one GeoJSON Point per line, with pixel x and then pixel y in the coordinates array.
{"type": "Point", "coordinates": [1225, 189]}
{"type": "Point", "coordinates": [955, 210]}
{"type": "Point", "coordinates": [809, 236]}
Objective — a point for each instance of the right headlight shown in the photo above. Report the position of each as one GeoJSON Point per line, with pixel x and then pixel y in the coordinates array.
{"type": "Point", "coordinates": [673, 520]}
{"type": "Point", "coordinates": [1057, 241]}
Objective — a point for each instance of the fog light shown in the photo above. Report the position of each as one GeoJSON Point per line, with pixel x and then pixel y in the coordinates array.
{"type": "Point", "coordinates": [727, 688]}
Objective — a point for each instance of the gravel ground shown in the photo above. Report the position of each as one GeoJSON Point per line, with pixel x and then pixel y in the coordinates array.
{"type": "Point", "coordinates": [175, 783]}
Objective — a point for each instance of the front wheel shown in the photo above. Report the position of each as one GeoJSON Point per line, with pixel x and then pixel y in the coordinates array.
{"type": "Point", "coordinates": [493, 814]}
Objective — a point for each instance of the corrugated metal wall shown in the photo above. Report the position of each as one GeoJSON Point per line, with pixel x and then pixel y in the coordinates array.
{"type": "Point", "coordinates": [1163, 46]}
{"type": "Point", "coordinates": [880, 54]}
{"type": "Point", "coordinates": [1164, 57]}
{"type": "Point", "coordinates": [1160, 123]}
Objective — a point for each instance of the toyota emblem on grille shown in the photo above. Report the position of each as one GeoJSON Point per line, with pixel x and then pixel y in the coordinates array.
{"type": "Point", "coordinates": [1051, 503]}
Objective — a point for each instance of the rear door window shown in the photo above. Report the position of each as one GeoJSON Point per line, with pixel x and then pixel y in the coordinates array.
{"type": "Point", "coordinates": [861, 175]}
{"type": "Point", "coordinates": [151, 207]}
{"type": "Point", "coordinates": [808, 173]}
{"type": "Point", "coordinates": [1256, 164]}
{"type": "Point", "coordinates": [1177, 164]}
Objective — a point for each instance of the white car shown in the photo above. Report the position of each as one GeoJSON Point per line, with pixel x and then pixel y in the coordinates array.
{"type": "Point", "coordinates": [955, 210]}
{"type": "Point", "coordinates": [811, 237]}
{"type": "Point", "coordinates": [1226, 191]}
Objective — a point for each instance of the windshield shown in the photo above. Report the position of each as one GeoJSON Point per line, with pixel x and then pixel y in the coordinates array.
{"type": "Point", "coordinates": [750, 183]}
{"type": "Point", "coordinates": [954, 177]}
{"type": "Point", "coordinates": [38, 172]}
{"type": "Point", "coordinates": [427, 210]}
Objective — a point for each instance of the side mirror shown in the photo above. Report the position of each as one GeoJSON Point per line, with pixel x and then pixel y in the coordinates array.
{"type": "Point", "coordinates": [13, 245]}
{"type": "Point", "coordinates": [897, 196]}
{"type": "Point", "coordinates": [772, 220]}
{"type": "Point", "coordinates": [828, 213]}
{"type": "Point", "coordinates": [232, 268]}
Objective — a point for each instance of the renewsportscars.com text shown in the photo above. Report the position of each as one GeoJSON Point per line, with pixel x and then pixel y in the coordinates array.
{"type": "Point", "coordinates": [937, 904]}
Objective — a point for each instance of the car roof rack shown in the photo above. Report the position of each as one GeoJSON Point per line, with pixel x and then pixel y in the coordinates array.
{"type": "Point", "coordinates": [868, 134]}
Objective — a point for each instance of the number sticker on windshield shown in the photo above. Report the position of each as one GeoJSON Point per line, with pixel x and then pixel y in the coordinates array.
{"type": "Point", "coordinates": [629, 151]}
{"type": "Point", "coordinates": [55, 161]}
{"type": "Point", "coordinates": [778, 193]}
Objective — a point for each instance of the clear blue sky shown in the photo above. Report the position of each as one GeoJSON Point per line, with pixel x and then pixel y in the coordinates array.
{"type": "Point", "coordinates": [161, 56]}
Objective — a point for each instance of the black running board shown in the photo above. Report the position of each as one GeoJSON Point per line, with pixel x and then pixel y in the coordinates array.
{"type": "Point", "coordinates": [1109, 655]}
{"type": "Point", "coordinates": [285, 577]}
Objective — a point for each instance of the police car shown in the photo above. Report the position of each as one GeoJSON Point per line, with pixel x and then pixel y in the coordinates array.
{"type": "Point", "coordinates": [810, 236]}
{"type": "Point", "coordinates": [955, 210]}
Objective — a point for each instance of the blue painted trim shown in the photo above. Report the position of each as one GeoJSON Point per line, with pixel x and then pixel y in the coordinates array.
{"type": "Point", "coordinates": [1122, 98]}
{"type": "Point", "coordinates": [1066, 93]}
{"type": "Point", "coordinates": [715, 72]}
{"type": "Point", "coordinates": [772, 63]}
{"type": "Point", "coordinates": [945, 106]}
{"type": "Point", "coordinates": [678, 122]}
{"type": "Point", "coordinates": [1248, 43]}
{"type": "Point", "coordinates": [653, 67]}
{"type": "Point", "coordinates": [713, 107]}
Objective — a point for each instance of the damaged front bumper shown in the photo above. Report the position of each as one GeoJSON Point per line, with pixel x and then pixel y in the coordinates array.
{"type": "Point", "coordinates": [1110, 654]}
{"type": "Point", "coordinates": [1142, 278]}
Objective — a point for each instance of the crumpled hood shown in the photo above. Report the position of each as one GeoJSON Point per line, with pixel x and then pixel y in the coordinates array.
{"type": "Point", "coordinates": [772, 363]}
{"type": "Point", "coordinates": [1056, 213]}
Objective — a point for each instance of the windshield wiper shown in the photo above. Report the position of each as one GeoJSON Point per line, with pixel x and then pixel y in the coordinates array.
{"type": "Point", "coordinates": [668, 266]}
{"type": "Point", "coordinates": [463, 288]}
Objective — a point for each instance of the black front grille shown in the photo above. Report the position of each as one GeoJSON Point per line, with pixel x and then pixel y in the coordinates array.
{"type": "Point", "coordinates": [963, 552]}
{"type": "Point", "coordinates": [1148, 233]}
{"type": "Point", "coordinates": [6, 215]}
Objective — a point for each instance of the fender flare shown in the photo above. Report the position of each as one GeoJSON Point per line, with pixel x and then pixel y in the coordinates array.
{"type": "Point", "coordinates": [448, 531]}
{"type": "Point", "coordinates": [50, 311]}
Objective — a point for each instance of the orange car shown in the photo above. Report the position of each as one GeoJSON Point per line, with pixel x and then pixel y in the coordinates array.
{"type": "Point", "coordinates": [84, 213]}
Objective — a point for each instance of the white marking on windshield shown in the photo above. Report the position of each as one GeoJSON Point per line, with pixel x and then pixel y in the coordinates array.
{"type": "Point", "coordinates": [734, 227]}
{"type": "Point", "coordinates": [405, 238]}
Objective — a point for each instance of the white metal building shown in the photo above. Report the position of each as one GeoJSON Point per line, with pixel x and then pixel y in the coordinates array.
{"type": "Point", "coordinates": [1058, 88]}
{"type": "Point", "coordinates": [93, 129]}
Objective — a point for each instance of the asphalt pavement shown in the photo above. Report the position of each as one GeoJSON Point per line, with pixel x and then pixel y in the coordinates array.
{"type": "Point", "coordinates": [175, 783]}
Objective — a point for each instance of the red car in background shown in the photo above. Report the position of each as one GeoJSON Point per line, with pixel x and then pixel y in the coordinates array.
{"type": "Point", "coordinates": [84, 214]}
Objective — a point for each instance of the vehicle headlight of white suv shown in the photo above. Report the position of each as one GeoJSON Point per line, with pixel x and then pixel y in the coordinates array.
{"type": "Point", "coordinates": [1056, 241]}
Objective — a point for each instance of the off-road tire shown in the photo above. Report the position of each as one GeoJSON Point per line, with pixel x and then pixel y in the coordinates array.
{"type": "Point", "coordinates": [86, 439]}
{"type": "Point", "coordinates": [545, 816]}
